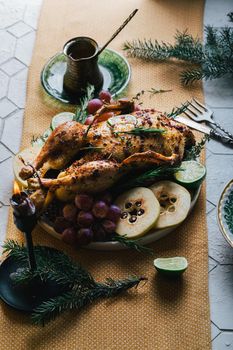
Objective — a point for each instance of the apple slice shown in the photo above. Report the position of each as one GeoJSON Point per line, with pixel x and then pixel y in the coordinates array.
{"type": "Point", "coordinates": [139, 211]}
{"type": "Point", "coordinates": [174, 202]}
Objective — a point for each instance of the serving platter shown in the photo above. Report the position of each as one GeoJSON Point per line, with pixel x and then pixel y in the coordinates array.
{"type": "Point", "coordinates": [225, 211]}
{"type": "Point", "coordinates": [114, 67]}
{"type": "Point", "coordinates": [150, 237]}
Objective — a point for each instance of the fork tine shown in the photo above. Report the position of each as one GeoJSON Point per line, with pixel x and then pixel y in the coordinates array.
{"type": "Point", "coordinates": [200, 104]}
{"type": "Point", "coordinates": [192, 116]}
{"type": "Point", "coordinates": [193, 112]}
{"type": "Point", "coordinates": [196, 108]}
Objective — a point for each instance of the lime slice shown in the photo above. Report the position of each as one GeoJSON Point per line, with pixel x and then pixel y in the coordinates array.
{"type": "Point", "coordinates": [191, 175]}
{"type": "Point", "coordinates": [61, 118]}
{"type": "Point", "coordinates": [171, 266]}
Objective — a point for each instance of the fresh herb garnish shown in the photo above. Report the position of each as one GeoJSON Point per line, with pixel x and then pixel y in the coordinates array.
{"type": "Point", "coordinates": [145, 178]}
{"type": "Point", "coordinates": [228, 210]}
{"type": "Point", "coordinates": [142, 131]}
{"type": "Point", "coordinates": [81, 288]}
{"type": "Point", "coordinates": [81, 111]}
{"type": "Point", "coordinates": [132, 244]}
{"type": "Point", "coordinates": [178, 110]}
{"type": "Point", "coordinates": [157, 91]}
{"type": "Point", "coordinates": [194, 152]}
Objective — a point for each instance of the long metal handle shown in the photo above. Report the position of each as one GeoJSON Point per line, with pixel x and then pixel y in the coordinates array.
{"type": "Point", "coordinates": [224, 139]}
{"type": "Point", "coordinates": [222, 129]}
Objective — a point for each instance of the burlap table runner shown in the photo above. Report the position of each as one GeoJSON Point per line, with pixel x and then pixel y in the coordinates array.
{"type": "Point", "coordinates": [163, 315]}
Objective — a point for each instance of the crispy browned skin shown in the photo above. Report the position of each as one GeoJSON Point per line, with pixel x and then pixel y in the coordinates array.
{"type": "Point", "coordinates": [112, 152]}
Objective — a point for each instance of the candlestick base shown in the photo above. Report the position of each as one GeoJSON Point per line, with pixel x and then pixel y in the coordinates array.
{"type": "Point", "coordinates": [24, 297]}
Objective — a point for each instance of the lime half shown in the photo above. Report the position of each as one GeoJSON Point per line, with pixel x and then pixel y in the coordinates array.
{"type": "Point", "coordinates": [171, 266]}
{"type": "Point", "coordinates": [61, 118]}
{"type": "Point", "coordinates": [191, 175]}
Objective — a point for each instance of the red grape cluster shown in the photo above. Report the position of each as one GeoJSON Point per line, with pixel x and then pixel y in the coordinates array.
{"type": "Point", "coordinates": [87, 219]}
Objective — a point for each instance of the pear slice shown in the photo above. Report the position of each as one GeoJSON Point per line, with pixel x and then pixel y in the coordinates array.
{"type": "Point", "coordinates": [174, 202]}
{"type": "Point", "coordinates": [139, 211]}
{"type": "Point", "coordinates": [28, 155]}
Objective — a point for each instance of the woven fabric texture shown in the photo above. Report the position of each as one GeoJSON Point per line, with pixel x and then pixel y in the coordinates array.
{"type": "Point", "coordinates": [162, 314]}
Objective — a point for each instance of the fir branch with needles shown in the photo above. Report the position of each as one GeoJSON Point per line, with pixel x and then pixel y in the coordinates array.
{"type": "Point", "coordinates": [80, 287]}
{"type": "Point", "coordinates": [209, 60]}
{"type": "Point", "coordinates": [81, 111]}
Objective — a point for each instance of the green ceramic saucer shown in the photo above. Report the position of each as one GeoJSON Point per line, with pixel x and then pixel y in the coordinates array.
{"type": "Point", "coordinates": [115, 69]}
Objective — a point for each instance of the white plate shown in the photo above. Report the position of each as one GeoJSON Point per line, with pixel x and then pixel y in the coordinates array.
{"type": "Point", "coordinates": [148, 238]}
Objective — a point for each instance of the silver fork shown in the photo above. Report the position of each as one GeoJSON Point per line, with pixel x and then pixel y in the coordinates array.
{"type": "Point", "coordinates": [200, 113]}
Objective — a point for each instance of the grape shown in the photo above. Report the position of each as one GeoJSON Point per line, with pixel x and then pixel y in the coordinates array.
{"type": "Point", "coordinates": [94, 105]}
{"type": "Point", "coordinates": [105, 96]}
{"type": "Point", "coordinates": [114, 213]}
{"type": "Point", "coordinates": [89, 120]}
{"type": "Point", "coordinates": [100, 209]}
{"type": "Point", "coordinates": [84, 202]}
{"type": "Point", "coordinates": [69, 236]}
{"type": "Point", "coordinates": [85, 219]}
{"type": "Point", "coordinates": [106, 197]}
{"type": "Point", "coordinates": [109, 226]}
{"type": "Point", "coordinates": [70, 212]}
{"type": "Point", "coordinates": [61, 224]}
{"type": "Point", "coordinates": [99, 233]}
{"type": "Point", "coordinates": [84, 236]}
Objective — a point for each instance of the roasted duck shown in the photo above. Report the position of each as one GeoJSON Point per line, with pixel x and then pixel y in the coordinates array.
{"type": "Point", "coordinates": [106, 151]}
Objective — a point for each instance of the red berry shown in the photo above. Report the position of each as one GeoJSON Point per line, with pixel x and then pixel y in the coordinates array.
{"type": "Point", "coordinates": [114, 213]}
{"type": "Point", "coordinates": [94, 105]}
{"type": "Point", "coordinates": [89, 120]}
{"type": "Point", "coordinates": [105, 96]}
{"type": "Point", "coordinates": [69, 236]}
{"type": "Point", "coordinates": [100, 209]}
{"type": "Point", "coordinates": [85, 219]}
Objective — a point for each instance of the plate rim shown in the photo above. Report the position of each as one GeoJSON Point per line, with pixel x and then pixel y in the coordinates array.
{"type": "Point", "coordinates": [219, 213]}
{"type": "Point", "coordinates": [113, 245]}
{"type": "Point", "coordinates": [68, 102]}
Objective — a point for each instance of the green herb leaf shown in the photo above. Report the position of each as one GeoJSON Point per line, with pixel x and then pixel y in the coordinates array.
{"type": "Point", "coordinates": [142, 131]}
{"type": "Point", "coordinates": [194, 152]}
{"type": "Point", "coordinates": [132, 244]}
{"type": "Point", "coordinates": [81, 112]}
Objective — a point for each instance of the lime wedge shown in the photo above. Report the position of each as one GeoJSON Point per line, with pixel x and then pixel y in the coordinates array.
{"type": "Point", "coordinates": [191, 175]}
{"type": "Point", "coordinates": [171, 266]}
{"type": "Point", "coordinates": [61, 118]}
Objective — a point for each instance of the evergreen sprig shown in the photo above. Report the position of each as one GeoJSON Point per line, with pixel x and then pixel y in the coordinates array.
{"type": "Point", "coordinates": [81, 112]}
{"type": "Point", "coordinates": [80, 287]}
{"type": "Point", "coordinates": [212, 59]}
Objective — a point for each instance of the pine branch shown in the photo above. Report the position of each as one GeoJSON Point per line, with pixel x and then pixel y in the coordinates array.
{"type": "Point", "coordinates": [230, 16]}
{"type": "Point", "coordinates": [214, 57]}
{"type": "Point", "coordinates": [53, 265]}
{"type": "Point", "coordinates": [81, 112]}
{"type": "Point", "coordinates": [76, 300]}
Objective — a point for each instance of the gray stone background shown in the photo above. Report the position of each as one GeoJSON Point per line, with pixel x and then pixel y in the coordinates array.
{"type": "Point", "coordinates": [18, 23]}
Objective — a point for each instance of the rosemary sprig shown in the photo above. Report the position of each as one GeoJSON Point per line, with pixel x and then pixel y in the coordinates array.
{"type": "Point", "coordinates": [195, 150]}
{"type": "Point", "coordinates": [146, 178]}
{"type": "Point", "coordinates": [81, 288]}
{"type": "Point", "coordinates": [132, 244]}
{"type": "Point", "coordinates": [81, 111]}
{"type": "Point", "coordinates": [142, 131]}
{"type": "Point", "coordinates": [178, 110]}
{"type": "Point", "coordinates": [154, 91]}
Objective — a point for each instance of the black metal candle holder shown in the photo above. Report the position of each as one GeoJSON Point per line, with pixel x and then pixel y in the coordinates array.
{"type": "Point", "coordinates": [28, 296]}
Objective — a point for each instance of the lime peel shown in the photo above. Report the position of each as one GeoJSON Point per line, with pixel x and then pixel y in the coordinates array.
{"type": "Point", "coordinates": [171, 266]}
